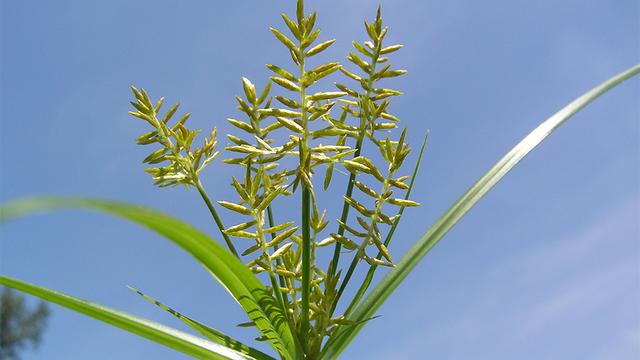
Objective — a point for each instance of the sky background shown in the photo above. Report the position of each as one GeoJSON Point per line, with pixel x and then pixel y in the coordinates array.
{"type": "Point", "coordinates": [547, 266]}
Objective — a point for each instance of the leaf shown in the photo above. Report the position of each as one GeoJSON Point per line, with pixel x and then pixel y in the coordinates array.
{"type": "Point", "coordinates": [207, 331]}
{"type": "Point", "coordinates": [175, 339]}
{"type": "Point", "coordinates": [392, 280]}
{"type": "Point", "coordinates": [241, 283]}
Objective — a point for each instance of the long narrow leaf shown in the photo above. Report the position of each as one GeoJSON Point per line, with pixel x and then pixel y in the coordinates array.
{"type": "Point", "coordinates": [208, 332]}
{"type": "Point", "coordinates": [241, 283]}
{"type": "Point", "coordinates": [391, 281]}
{"type": "Point", "coordinates": [177, 340]}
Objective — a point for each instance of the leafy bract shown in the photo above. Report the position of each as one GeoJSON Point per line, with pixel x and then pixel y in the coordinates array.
{"type": "Point", "coordinates": [208, 332]}
{"type": "Point", "coordinates": [243, 285]}
{"type": "Point", "coordinates": [340, 339]}
{"type": "Point", "coordinates": [177, 340]}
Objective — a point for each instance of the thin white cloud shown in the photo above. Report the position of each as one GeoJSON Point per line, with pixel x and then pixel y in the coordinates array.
{"type": "Point", "coordinates": [577, 296]}
{"type": "Point", "coordinates": [535, 296]}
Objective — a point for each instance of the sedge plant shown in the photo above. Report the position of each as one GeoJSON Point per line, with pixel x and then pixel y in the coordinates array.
{"type": "Point", "coordinates": [292, 136]}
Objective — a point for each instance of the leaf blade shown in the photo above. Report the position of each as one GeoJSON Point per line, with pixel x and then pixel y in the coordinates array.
{"type": "Point", "coordinates": [430, 238]}
{"type": "Point", "coordinates": [177, 340]}
{"type": "Point", "coordinates": [209, 332]}
{"type": "Point", "coordinates": [243, 285]}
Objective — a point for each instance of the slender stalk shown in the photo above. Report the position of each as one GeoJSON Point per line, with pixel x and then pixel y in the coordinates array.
{"type": "Point", "coordinates": [306, 203]}
{"type": "Point", "coordinates": [194, 180]}
{"type": "Point", "coordinates": [364, 121]}
{"type": "Point", "coordinates": [284, 301]}
{"type": "Point", "coordinates": [365, 242]}
{"type": "Point", "coordinates": [259, 219]}
{"type": "Point", "coordinates": [216, 217]}
{"type": "Point", "coordinates": [283, 283]}
{"type": "Point", "coordinates": [345, 210]}
{"type": "Point", "coordinates": [369, 277]}
{"type": "Point", "coordinates": [306, 260]}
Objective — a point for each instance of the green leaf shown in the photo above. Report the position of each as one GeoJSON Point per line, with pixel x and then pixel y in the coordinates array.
{"type": "Point", "coordinates": [207, 331]}
{"type": "Point", "coordinates": [241, 283]}
{"type": "Point", "coordinates": [392, 280]}
{"type": "Point", "coordinates": [177, 340]}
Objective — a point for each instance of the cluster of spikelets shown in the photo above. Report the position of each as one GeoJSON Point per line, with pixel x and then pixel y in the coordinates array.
{"type": "Point", "coordinates": [183, 162]}
{"type": "Point", "coordinates": [313, 138]}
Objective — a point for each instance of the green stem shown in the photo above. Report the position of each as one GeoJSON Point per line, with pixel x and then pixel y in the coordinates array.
{"type": "Point", "coordinates": [216, 217]}
{"type": "Point", "coordinates": [365, 242]}
{"type": "Point", "coordinates": [333, 266]}
{"type": "Point", "coordinates": [306, 260]}
{"type": "Point", "coordinates": [364, 120]}
{"type": "Point", "coordinates": [283, 283]}
{"type": "Point", "coordinates": [258, 218]}
{"type": "Point", "coordinates": [195, 180]}
{"type": "Point", "coordinates": [306, 205]}
{"type": "Point", "coordinates": [369, 277]}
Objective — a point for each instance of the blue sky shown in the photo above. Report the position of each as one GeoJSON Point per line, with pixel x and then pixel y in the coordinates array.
{"type": "Point", "coordinates": [546, 267]}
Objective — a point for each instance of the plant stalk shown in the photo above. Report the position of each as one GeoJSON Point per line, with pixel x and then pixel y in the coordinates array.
{"type": "Point", "coordinates": [369, 277]}
{"type": "Point", "coordinates": [216, 217]}
{"type": "Point", "coordinates": [263, 244]}
{"type": "Point", "coordinates": [283, 283]}
{"type": "Point", "coordinates": [345, 211]}
{"type": "Point", "coordinates": [364, 120]}
{"type": "Point", "coordinates": [306, 205]}
{"type": "Point", "coordinates": [365, 242]}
